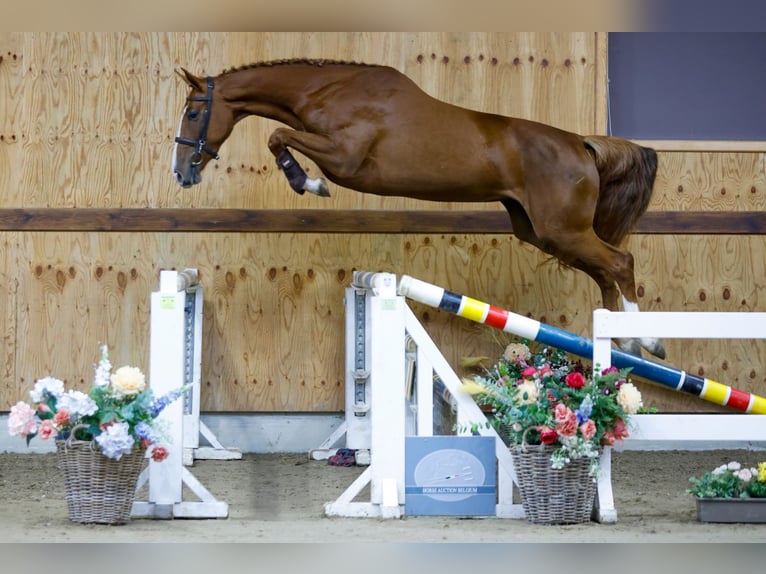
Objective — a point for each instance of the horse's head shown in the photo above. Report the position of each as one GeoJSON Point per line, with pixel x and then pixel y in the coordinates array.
{"type": "Point", "coordinates": [206, 122]}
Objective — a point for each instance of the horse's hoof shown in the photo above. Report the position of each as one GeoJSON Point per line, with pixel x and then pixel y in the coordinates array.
{"type": "Point", "coordinates": [631, 346]}
{"type": "Point", "coordinates": [317, 186]}
{"type": "Point", "coordinates": [655, 346]}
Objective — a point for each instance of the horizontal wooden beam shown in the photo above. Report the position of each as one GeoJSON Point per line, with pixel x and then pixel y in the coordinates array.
{"type": "Point", "coordinates": [344, 221]}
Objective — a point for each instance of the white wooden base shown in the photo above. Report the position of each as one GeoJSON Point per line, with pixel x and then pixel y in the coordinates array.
{"type": "Point", "coordinates": [206, 507]}
{"type": "Point", "coordinates": [216, 451]}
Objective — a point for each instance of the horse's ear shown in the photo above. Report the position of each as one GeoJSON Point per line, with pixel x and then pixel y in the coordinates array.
{"type": "Point", "coordinates": [189, 78]}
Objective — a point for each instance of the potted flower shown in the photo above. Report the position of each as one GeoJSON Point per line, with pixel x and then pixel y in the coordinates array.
{"type": "Point", "coordinates": [731, 493]}
{"type": "Point", "coordinates": [102, 438]}
{"type": "Point", "coordinates": [555, 415]}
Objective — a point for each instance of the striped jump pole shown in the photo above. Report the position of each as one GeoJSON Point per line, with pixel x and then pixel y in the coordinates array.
{"type": "Point", "coordinates": [527, 328]}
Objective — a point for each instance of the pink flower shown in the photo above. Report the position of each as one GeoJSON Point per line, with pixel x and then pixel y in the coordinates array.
{"type": "Point", "coordinates": [47, 429]}
{"type": "Point", "coordinates": [588, 429]}
{"type": "Point", "coordinates": [545, 370]}
{"type": "Point", "coordinates": [575, 380]}
{"type": "Point", "coordinates": [617, 434]}
{"type": "Point", "coordinates": [21, 421]}
{"type": "Point", "coordinates": [529, 372]}
{"type": "Point", "coordinates": [620, 430]}
{"type": "Point", "coordinates": [566, 420]}
{"type": "Point", "coordinates": [61, 418]}
{"type": "Point", "coordinates": [561, 412]}
{"type": "Point", "coordinates": [611, 369]}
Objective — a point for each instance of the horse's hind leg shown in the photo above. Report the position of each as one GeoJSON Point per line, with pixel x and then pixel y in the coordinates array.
{"type": "Point", "coordinates": [611, 267]}
{"type": "Point", "coordinates": [608, 266]}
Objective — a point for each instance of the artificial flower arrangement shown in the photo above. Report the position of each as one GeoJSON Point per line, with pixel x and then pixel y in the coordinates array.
{"type": "Point", "coordinates": [119, 413]}
{"type": "Point", "coordinates": [730, 480]}
{"type": "Point", "coordinates": [546, 398]}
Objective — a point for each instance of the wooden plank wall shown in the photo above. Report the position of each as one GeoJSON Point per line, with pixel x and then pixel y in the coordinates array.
{"type": "Point", "coordinates": [88, 121]}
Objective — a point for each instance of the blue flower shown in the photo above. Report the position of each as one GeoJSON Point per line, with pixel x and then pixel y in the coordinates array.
{"type": "Point", "coordinates": [145, 430]}
{"type": "Point", "coordinates": [585, 409]}
{"type": "Point", "coordinates": [158, 405]}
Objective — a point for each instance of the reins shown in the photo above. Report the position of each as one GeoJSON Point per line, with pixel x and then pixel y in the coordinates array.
{"type": "Point", "coordinates": [200, 145]}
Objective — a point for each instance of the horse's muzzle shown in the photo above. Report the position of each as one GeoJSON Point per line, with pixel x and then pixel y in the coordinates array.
{"type": "Point", "coordinates": [187, 182]}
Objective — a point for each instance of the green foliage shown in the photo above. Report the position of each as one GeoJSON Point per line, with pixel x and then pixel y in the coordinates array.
{"type": "Point", "coordinates": [730, 481]}
{"type": "Point", "coordinates": [545, 397]}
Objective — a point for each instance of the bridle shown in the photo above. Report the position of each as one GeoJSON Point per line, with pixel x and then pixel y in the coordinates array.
{"type": "Point", "coordinates": [200, 145]}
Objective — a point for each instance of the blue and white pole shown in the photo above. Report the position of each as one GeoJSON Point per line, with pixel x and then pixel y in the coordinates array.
{"type": "Point", "coordinates": [484, 313]}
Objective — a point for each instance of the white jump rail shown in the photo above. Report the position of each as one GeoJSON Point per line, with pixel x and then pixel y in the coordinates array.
{"type": "Point", "coordinates": [656, 430]}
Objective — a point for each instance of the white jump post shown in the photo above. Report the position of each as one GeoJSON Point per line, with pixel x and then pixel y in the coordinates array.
{"type": "Point", "coordinates": [172, 331]}
{"type": "Point", "coordinates": [377, 406]}
{"type": "Point", "coordinates": [670, 430]}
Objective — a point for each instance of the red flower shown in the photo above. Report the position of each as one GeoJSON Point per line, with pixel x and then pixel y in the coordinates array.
{"type": "Point", "coordinates": [529, 372]}
{"type": "Point", "coordinates": [159, 453]}
{"type": "Point", "coordinates": [575, 380]}
{"type": "Point", "coordinates": [548, 435]}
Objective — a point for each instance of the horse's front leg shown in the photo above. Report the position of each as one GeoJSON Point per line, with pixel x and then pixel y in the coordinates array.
{"type": "Point", "coordinates": [296, 176]}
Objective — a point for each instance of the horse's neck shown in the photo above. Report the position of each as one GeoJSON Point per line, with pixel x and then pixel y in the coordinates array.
{"type": "Point", "coordinates": [264, 91]}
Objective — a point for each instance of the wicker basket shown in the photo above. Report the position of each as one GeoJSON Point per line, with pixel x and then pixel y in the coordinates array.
{"type": "Point", "coordinates": [98, 489]}
{"type": "Point", "coordinates": [551, 495]}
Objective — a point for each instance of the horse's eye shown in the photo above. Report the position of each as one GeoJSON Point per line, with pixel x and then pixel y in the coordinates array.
{"type": "Point", "coordinates": [193, 115]}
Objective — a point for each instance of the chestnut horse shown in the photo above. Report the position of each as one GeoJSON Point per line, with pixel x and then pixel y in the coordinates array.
{"type": "Point", "coordinates": [372, 129]}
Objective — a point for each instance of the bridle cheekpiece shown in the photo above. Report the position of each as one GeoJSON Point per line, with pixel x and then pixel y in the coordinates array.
{"type": "Point", "coordinates": [200, 145]}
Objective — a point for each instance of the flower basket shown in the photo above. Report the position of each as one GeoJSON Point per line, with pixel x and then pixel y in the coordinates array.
{"type": "Point", "coordinates": [101, 437]}
{"type": "Point", "coordinates": [553, 495]}
{"type": "Point", "coordinates": [731, 492]}
{"type": "Point", "coordinates": [98, 489]}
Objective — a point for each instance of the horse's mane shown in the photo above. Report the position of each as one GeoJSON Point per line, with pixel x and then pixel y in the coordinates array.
{"type": "Point", "coordinates": [295, 61]}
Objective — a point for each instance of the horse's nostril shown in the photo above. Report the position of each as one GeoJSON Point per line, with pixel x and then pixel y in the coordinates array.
{"type": "Point", "coordinates": [179, 177]}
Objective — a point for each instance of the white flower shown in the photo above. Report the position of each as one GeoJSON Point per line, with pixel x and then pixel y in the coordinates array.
{"type": "Point", "coordinates": [51, 385]}
{"type": "Point", "coordinates": [77, 403]}
{"type": "Point", "coordinates": [733, 465]}
{"type": "Point", "coordinates": [743, 474]}
{"type": "Point", "coordinates": [116, 441]}
{"type": "Point", "coordinates": [719, 470]}
{"type": "Point", "coordinates": [128, 381]}
{"type": "Point", "coordinates": [629, 398]}
{"type": "Point", "coordinates": [103, 369]}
